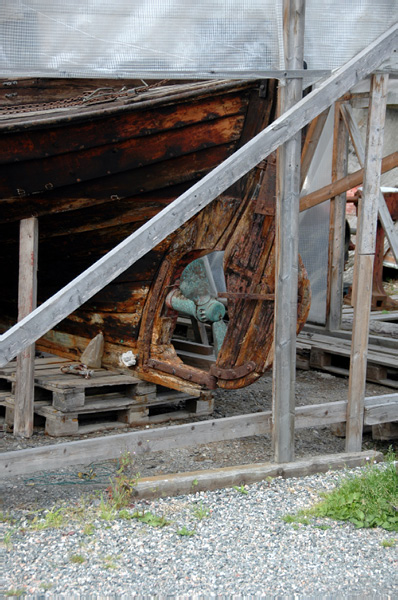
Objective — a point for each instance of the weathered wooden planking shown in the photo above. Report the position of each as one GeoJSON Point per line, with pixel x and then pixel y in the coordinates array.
{"type": "Point", "coordinates": [213, 479]}
{"type": "Point", "coordinates": [84, 165]}
{"type": "Point", "coordinates": [190, 203]}
{"type": "Point", "coordinates": [133, 124]}
{"type": "Point", "coordinates": [163, 438]}
{"type": "Point", "coordinates": [286, 251]}
{"type": "Point", "coordinates": [364, 258]}
{"type": "Point", "coordinates": [337, 225]}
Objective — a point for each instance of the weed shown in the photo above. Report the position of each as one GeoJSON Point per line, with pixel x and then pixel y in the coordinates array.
{"type": "Point", "coordinates": [107, 512]}
{"type": "Point", "coordinates": [200, 511]}
{"type": "Point", "coordinates": [7, 537]}
{"type": "Point", "coordinates": [6, 518]}
{"type": "Point", "coordinates": [77, 559]}
{"type": "Point", "coordinates": [195, 483]}
{"type": "Point", "coordinates": [389, 543]}
{"type": "Point", "coordinates": [109, 562]}
{"type": "Point", "coordinates": [299, 518]}
{"type": "Point", "coordinates": [241, 489]}
{"type": "Point", "coordinates": [88, 529]}
{"type": "Point", "coordinates": [46, 586]}
{"type": "Point", "coordinates": [324, 527]}
{"type": "Point", "coordinates": [122, 485]}
{"type": "Point", "coordinates": [366, 500]}
{"type": "Point", "coordinates": [15, 593]}
{"type": "Point", "coordinates": [125, 514]}
{"type": "Point", "coordinates": [186, 532]}
{"type": "Point", "coordinates": [150, 519]}
{"type": "Point", "coordinates": [53, 518]}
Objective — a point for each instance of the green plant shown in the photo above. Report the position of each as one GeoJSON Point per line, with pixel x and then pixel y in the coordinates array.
{"type": "Point", "coordinates": [369, 499]}
{"type": "Point", "coordinates": [150, 519]}
{"type": "Point", "coordinates": [241, 489]}
{"type": "Point", "coordinates": [109, 562]}
{"type": "Point", "coordinates": [6, 518]}
{"type": "Point", "coordinates": [77, 559]}
{"type": "Point", "coordinates": [15, 593]}
{"type": "Point", "coordinates": [53, 518]}
{"type": "Point", "coordinates": [46, 586]}
{"type": "Point", "coordinates": [200, 511]}
{"type": "Point", "coordinates": [88, 529]}
{"type": "Point", "coordinates": [107, 511]}
{"type": "Point", "coordinates": [299, 518]}
{"type": "Point", "coordinates": [122, 485]}
{"type": "Point", "coordinates": [186, 532]}
{"type": "Point", "coordinates": [390, 543]}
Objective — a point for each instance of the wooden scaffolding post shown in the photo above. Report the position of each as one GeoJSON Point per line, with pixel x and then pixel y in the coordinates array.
{"type": "Point", "coordinates": [337, 224]}
{"type": "Point", "coordinates": [286, 275]}
{"type": "Point", "coordinates": [364, 257]}
{"type": "Point", "coordinates": [27, 299]}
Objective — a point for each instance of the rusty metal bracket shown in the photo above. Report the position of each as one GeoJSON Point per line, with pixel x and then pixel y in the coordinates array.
{"type": "Point", "coordinates": [186, 373]}
{"type": "Point", "coordinates": [235, 373]}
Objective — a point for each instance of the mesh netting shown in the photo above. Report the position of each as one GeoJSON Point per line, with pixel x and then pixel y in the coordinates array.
{"type": "Point", "coordinates": [177, 38]}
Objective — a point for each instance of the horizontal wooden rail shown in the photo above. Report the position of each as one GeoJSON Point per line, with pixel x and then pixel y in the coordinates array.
{"type": "Point", "coordinates": [110, 266]}
{"type": "Point", "coordinates": [378, 409]}
{"type": "Point", "coordinates": [344, 184]}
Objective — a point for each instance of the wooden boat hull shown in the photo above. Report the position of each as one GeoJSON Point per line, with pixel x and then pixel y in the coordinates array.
{"type": "Point", "coordinates": [94, 173]}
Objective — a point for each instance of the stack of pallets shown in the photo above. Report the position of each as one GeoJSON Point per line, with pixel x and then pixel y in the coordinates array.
{"type": "Point", "coordinates": [73, 405]}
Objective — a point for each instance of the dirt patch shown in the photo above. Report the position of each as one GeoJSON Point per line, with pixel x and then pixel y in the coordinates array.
{"type": "Point", "coordinates": [313, 387]}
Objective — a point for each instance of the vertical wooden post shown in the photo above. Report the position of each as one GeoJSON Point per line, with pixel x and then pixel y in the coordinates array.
{"type": "Point", "coordinates": [287, 217]}
{"type": "Point", "coordinates": [27, 299]}
{"type": "Point", "coordinates": [364, 257]}
{"type": "Point", "coordinates": [337, 225]}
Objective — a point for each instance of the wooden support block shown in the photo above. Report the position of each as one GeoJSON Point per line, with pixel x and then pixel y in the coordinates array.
{"type": "Point", "coordinates": [385, 431]}
{"type": "Point", "coordinates": [68, 400]}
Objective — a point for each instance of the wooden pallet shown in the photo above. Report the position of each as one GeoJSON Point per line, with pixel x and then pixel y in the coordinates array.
{"type": "Point", "coordinates": [69, 392]}
{"type": "Point", "coordinates": [73, 405]}
{"type": "Point", "coordinates": [113, 413]}
{"type": "Point", "coordinates": [332, 354]}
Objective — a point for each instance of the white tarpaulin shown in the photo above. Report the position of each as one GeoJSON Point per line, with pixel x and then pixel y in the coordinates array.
{"type": "Point", "coordinates": [177, 38]}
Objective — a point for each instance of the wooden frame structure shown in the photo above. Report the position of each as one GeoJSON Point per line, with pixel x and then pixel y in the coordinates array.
{"type": "Point", "coordinates": [284, 130]}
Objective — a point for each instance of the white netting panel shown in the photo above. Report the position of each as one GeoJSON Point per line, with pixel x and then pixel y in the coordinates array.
{"type": "Point", "coordinates": [131, 38]}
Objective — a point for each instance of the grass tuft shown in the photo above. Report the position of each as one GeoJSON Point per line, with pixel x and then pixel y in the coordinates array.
{"type": "Point", "coordinates": [366, 500]}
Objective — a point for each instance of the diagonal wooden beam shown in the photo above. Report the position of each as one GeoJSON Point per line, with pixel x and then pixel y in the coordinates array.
{"type": "Point", "coordinates": [384, 213]}
{"type": "Point", "coordinates": [310, 145]}
{"type": "Point", "coordinates": [110, 266]}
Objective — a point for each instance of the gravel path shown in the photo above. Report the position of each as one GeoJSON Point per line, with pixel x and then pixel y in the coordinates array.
{"type": "Point", "coordinates": [241, 547]}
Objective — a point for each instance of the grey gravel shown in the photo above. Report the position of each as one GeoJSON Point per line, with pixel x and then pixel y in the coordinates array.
{"type": "Point", "coordinates": [243, 548]}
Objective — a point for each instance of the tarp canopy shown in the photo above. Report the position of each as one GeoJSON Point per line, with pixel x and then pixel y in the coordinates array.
{"type": "Point", "coordinates": [178, 38]}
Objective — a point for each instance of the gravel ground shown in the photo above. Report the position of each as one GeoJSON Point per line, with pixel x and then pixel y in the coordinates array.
{"type": "Point", "coordinates": [241, 548]}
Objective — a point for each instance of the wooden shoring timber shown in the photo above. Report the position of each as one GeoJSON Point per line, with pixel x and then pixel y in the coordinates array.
{"type": "Point", "coordinates": [286, 245]}
{"type": "Point", "coordinates": [88, 283]}
{"type": "Point", "coordinates": [384, 213]}
{"type": "Point", "coordinates": [310, 145]}
{"type": "Point", "coordinates": [344, 184]}
{"type": "Point", "coordinates": [337, 225]}
{"type": "Point", "coordinates": [56, 456]}
{"type": "Point", "coordinates": [364, 257]}
{"type": "Point", "coordinates": [27, 301]}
